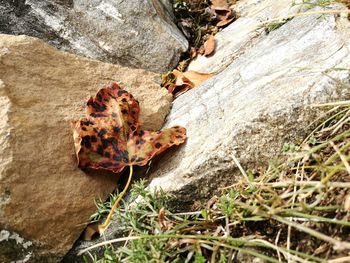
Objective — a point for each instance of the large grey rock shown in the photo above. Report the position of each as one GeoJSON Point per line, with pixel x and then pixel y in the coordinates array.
{"type": "Point", "coordinates": [260, 101]}
{"type": "Point", "coordinates": [137, 33]}
{"type": "Point", "coordinates": [45, 199]}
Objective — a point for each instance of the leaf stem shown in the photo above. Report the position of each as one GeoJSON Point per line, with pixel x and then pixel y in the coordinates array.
{"type": "Point", "coordinates": [109, 217]}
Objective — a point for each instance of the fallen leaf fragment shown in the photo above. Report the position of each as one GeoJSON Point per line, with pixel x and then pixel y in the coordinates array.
{"type": "Point", "coordinates": [224, 22]}
{"type": "Point", "coordinates": [209, 46]}
{"type": "Point", "coordinates": [223, 13]}
{"type": "Point", "coordinates": [181, 79]}
{"type": "Point", "coordinates": [163, 221]}
{"type": "Point", "coordinates": [197, 78]}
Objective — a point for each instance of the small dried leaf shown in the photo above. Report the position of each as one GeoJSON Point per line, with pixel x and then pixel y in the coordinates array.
{"type": "Point", "coordinates": [201, 50]}
{"type": "Point", "coordinates": [193, 53]}
{"type": "Point", "coordinates": [109, 137]}
{"type": "Point", "coordinates": [209, 46]}
{"type": "Point", "coordinates": [191, 78]}
{"type": "Point", "coordinates": [224, 22]}
{"type": "Point", "coordinates": [197, 78]}
{"type": "Point", "coordinates": [187, 80]}
{"type": "Point", "coordinates": [163, 221]}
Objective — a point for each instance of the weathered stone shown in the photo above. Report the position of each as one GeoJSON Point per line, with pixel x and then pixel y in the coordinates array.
{"type": "Point", "coordinates": [137, 33]}
{"type": "Point", "coordinates": [45, 200]}
{"type": "Point", "coordinates": [260, 101]}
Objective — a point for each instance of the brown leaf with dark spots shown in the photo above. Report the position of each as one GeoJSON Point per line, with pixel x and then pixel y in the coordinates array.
{"type": "Point", "coordinates": [109, 137]}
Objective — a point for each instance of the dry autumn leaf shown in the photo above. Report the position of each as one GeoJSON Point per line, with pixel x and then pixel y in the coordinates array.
{"type": "Point", "coordinates": [224, 22]}
{"type": "Point", "coordinates": [222, 11]}
{"type": "Point", "coordinates": [196, 78]}
{"type": "Point", "coordinates": [209, 46]}
{"type": "Point", "coordinates": [109, 137]}
{"type": "Point", "coordinates": [187, 80]}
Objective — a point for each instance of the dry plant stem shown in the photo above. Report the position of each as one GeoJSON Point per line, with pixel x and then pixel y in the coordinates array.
{"type": "Point", "coordinates": [276, 244]}
{"type": "Point", "coordinates": [342, 157]}
{"type": "Point", "coordinates": [235, 160]}
{"type": "Point", "coordinates": [109, 217]}
{"type": "Point", "coordinates": [339, 103]}
{"type": "Point", "coordinates": [289, 231]}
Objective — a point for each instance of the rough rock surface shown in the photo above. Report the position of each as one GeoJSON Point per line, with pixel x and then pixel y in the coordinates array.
{"type": "Point", "coordinates": [45, 200]}
{"type": "Point", "coordinates": [136, 33]}
{"type": "Point", "coordinates": [260, 101]}
{"type": "Point", "coordinates": [244, 33]}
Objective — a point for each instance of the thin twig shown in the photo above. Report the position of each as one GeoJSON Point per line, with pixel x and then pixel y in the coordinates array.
{"type": "Point", "coordinates": [276, 244]}
{"type": "Point", "coordinates": [235, 160]}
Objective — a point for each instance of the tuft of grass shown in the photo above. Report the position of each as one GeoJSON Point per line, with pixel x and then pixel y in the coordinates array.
{"type": "Point", "coordinates": [296, 210]}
